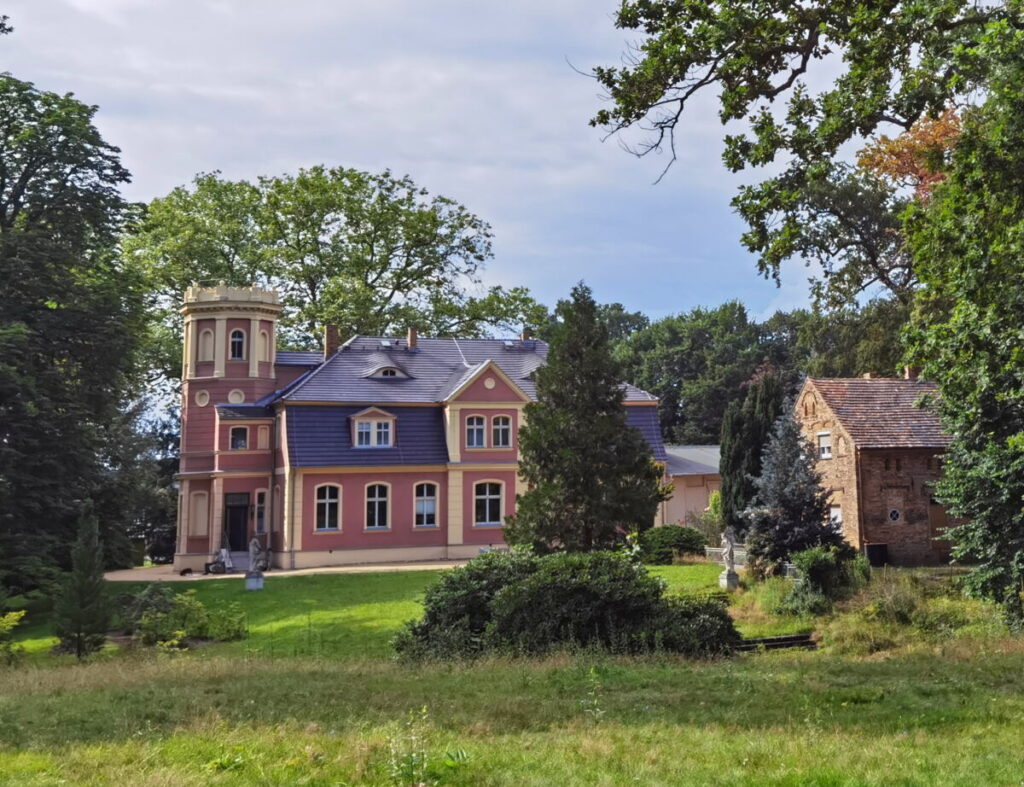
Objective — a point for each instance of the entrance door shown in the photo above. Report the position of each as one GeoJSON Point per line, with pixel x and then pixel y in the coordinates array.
{"type": "Point", "coordinates": [236, 521]}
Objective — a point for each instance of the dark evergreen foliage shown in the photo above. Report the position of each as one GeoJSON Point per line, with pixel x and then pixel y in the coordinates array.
{"type": "Point", "coordinates": [590, 476]}
{"type": "Point", "coordinates": [82, 611]}
{"type": "Point", "coordinates": [745, 432]}
{"type": "Point", "coordinates": [659, 546]}
{"type": "Point", "coordinates": [789, 512]}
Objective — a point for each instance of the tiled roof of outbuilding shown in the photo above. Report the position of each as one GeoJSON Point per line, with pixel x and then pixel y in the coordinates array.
{"type": "Point", "coordinates": [692, 459]}
{"type": "Point", "coordinates": [882, 412]}
{"type": "Point", "coordinates": [298, 357]}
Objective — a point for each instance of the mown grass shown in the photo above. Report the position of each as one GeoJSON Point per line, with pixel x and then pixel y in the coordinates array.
{"type": "Point", "coordinates": [312, 697]}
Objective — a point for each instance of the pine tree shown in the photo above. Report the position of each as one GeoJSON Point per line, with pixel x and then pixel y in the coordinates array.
{"type": "Point", "coordinates": [790, 509]}
{"type": "Point", "coordinates": [82, 611]}
{"type": "Point", "coordinates": [745, 432]}
{"type": "Point", "coordinates": [590, 476]}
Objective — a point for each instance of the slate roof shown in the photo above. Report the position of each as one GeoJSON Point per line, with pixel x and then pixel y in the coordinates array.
{"type": "Point", "coordinates": [645, 420]}
{"type": "Point", "coordinates": [436, 368]}
{"type": "Point", "coordinates": [298, 358]}
{"type": "Point", "coordinates": [882, 412]}
{"type": "Point", "coordinates": [692, 459]}
{"type": "Point", "coordinates": [322, 437]}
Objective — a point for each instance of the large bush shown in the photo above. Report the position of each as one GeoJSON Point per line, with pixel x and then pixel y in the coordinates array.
{"type": "Point", "coordinates": [188, 619]}
{"type": "Point", "coordinates": [521, 604]}
{"type": "Point", "coordinates": [660, 545]}
{"type": "Point", "coordinates": [827, 574]}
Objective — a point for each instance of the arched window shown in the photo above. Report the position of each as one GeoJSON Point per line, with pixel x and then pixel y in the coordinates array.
{"type": "Point", "coordinates": [487, 504]}
{"type": "Point", "coordinates": [206, 345]}
{"type": "Point", "coordinates": [426, 505]}
{"type": "Point", "coordinates": [264, 354]}
{"type": "Point", "coordinates": [328, 503]}
{"type": "Point", "coordinates": [475, 432]}
{"type": "Point", "coordinates": [377, 507]}
{"type": "Point", "coordinates": [501, 431]}
{"type": "Point", "coordinates": [238, 345]}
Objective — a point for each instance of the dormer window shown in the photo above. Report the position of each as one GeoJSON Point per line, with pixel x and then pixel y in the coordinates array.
{"type": "Point", "coordinates": [374, 429]}
{"type": "Point", "coordinates": [237, 345]}
{"type": "Point", "coordinates": [387, 373]}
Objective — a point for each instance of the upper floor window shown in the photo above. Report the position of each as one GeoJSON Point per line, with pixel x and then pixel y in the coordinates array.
{"type": "Point", "coordinates": [825, 446]}
{"type": "Point", "coordinates": [835, 515]}
{"type": "Point", "coordinates": [374, 434]}
{"type": "Point", "coordinates": [238, 345]}
{"type": "Point", "coordinates": [426, 505]}
{"type": "Point", "coordinates": [377, 507]}
{"type": "Point", "coordinates": [487, 500]}
{"type": "Point", "coordinates": [501, 431]}
{"type": "Point", "coordinates": [475, 436]}
{"type": "Point", "coordinates": [239, 438]}
{"type": "Point", "coordinates": [328, 503]}
{"type": "Point", "coordinates": [206, 345]}
{"type": "Point", "coordinates": [389, 373]}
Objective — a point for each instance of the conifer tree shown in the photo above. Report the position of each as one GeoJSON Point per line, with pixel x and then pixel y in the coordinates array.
{"type": "Point", "coordinates": [790, 509]}
{"type": "Point", "coordinates": [590, 475]}
{"type": "Point", "coordinates": [82, 610]}
{"type": "Point", "coordinates": [745, 431]}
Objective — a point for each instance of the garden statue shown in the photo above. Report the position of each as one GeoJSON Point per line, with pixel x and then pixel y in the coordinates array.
{"type": "Point", "coordinates": [729, 579]}
{"type": "Point", "coordinates": [255, 550]}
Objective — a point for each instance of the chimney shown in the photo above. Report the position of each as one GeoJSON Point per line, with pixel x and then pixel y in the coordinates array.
{"type": "Point", "coordinates": [331, 341]}
{"type": "Point", "coordinates": [410, 340]}
{"type": "Point", "coordinates": [870, 375]}
{"type": "Point", "coordinates": [527, 334]}
{"type": "Point", "coordinates": [911, 372]}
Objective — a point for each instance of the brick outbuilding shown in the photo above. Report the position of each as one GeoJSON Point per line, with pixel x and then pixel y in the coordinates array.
{"type": "Point", "coordinates": [879, 447]}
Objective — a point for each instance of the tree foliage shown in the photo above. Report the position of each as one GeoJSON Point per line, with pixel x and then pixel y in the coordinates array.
{"type": "Point", "coordinates": [968, 329]}
{"type": "Point", "coordinates": [371, 253]}
{"type": "Point", "coordinates": [82, 610]}
{"type": "Point", "coordinates": [70, 325]}
{"type": "Point", "coordinates": [590, 476]}
{"type": "Point", "coordinates": [790, 510]}
{"type": "Point", "coordinates": [745, 431]}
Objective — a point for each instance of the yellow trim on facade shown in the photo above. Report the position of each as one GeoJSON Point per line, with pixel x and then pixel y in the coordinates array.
{"type": "Point", "coordinates": [454, 507]}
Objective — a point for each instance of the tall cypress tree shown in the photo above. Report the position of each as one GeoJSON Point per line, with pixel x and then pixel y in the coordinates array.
{"type": "Point", "coordinates": [746, 428]}
{"type": "Point", "coordinates": [82, 610]}
{"type": "Point", "coordinates": [790, 507]}
{"type": "Point", "coordinates": [590, 476]}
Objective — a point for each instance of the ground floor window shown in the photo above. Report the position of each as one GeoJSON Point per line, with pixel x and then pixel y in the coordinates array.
{"type": "Point", "coordinates": [377, 507]}
{"type": "Point", "coordinates": [487, 508]}
{"type": "Point", "coordinates": [327, 505]}
{"type": "Point", "coordinates": [261, 512]}
{"type": "Point", "coordinates": [426, 505]}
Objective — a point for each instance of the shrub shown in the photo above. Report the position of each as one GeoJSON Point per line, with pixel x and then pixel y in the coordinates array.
{"type": "Point", "coordinates": [10, 654]}
{"type": "Point", "coordinates": [833, 572]}
{"type": "Point", "coordinates": [532, 605]}
{"type": "Point", "coordinates": [659, 545]}
{"type": "Point", "coordinates": [154, 598]}
{"type": "Point", "coordinates": [804, 599]}
{"type": "Point", "coordinates": [710, 522]}
{"type": "Point", "coordinates": [457, 609]}
{"type": "Point", "coordinates": [595, 599]}
{"type": "Point", "coordinates": [189, 619]}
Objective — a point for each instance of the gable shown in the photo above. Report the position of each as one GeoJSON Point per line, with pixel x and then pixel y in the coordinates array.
{"type": "Point", "coordinates": [488, 384]}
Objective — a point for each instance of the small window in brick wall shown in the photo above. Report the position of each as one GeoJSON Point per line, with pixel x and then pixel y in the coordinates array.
{"type": "Point", "coordinates": [824, 446]}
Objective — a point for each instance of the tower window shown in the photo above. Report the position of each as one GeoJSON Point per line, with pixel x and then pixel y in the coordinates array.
{"type": "Point", "coordinates": [238, 345]}
{"type": "Point", "coordinates": [239, 438]}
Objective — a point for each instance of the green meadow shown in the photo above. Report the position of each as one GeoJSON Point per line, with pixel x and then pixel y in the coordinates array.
{"type": "Point", "coordinates": [313, 697]}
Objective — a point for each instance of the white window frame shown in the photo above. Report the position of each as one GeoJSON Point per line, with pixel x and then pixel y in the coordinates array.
{"type": "Point", "coordinates": [417, 499]}
{"type": "Point", "coordinates": [824, 445]}
{"type": "Point", "coordinates": [476, 425]}
{"type": "Point", "coordinates": [501, 424]}
{"type": "Point", "coordinates": [374, 429]}
{"type": "Point", "coordinates": [386, 500]}
{"type": "Point", "coordinates": [489, 496]}
{"type": "Point", "coordinates": [231, 438]}
{"type": "Point", "coordinates": [231, 345]}
{"type": "Point", "coordinates": [326, 502]}
{"type": "Point", "coordinates": [835, 514]}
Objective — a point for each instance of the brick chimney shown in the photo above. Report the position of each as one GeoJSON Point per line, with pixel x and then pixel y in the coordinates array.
{"type": "Point", "coordinates": [410, 339]}
{"type": "Point", "coordinates": [911, 372]}
{"type": "Point", "coordinates": [331, 341]}
{"type": "Point", "coordinates": [870, 375]}
{"type": "Point", "coordinates": [527, 334]}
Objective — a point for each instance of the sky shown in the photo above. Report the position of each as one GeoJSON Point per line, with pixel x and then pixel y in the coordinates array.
{"type": "Point", "coordinates": [480, 101]}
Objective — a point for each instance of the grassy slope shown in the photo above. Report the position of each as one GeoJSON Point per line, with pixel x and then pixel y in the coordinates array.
{"type": "Point", "coordinates": [320, 705]}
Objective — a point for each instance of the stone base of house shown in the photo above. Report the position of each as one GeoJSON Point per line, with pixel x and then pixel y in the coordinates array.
{"type": "Point", "coordinates": [345, 557]}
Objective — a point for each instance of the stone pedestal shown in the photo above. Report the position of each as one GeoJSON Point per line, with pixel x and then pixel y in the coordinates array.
{"type": "Point", "coordinates": [254, 580]}
{"type": "Point", "coordinates": [728, 580]}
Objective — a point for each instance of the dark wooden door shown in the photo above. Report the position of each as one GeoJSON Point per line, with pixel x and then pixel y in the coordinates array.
{"type": "Point", "coordinates": [236, 521]}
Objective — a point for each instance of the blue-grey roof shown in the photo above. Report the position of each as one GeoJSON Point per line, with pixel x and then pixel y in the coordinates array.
{"type": "Point", "coordinates": [435, 369]}
{"type": "Point", "coordinates": [645, 420]}
{"type": "Point", "coordinates": [299, 358]}
{"type": "Point", "coordinates": [241, 411]}
{"type": "Point", "coordinates": [322, 437]}
{"type": "Point", "coordinates": [692, 459]}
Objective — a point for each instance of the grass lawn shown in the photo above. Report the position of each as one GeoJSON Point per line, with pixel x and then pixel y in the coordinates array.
{"type": "Point", "coordinates": [312, 698]}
